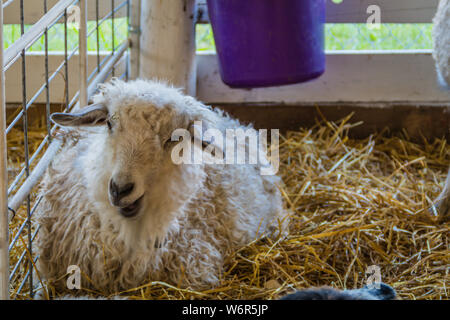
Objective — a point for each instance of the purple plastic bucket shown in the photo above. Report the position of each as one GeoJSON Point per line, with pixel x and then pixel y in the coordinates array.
{"type": "Point", "coordinates": [268, 42]}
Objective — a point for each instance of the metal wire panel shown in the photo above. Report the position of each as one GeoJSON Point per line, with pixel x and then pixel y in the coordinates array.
{"type": "Point", "coordinates": [4, 252]}
{"type": "Point", "coordinates": [30, 145]}
{"type": "Point", "coordinates": [105, 31]}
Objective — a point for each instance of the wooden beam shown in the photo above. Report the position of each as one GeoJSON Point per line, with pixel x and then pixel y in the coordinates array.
{"type": "Point", "coordinates": [392, 11]}
{"type": "Point", "coordinates": [432, 120]}
{"type": "Point", "coordinates": [35, 9]}
{"type": "Point", "coordinates": [349, 11]}
{"type": "Point", "coordinates": [349, 77]}
{"type": "Point", "coordinates": [355, 11]}
{"type": "Point", "coordinates": [429, 120]}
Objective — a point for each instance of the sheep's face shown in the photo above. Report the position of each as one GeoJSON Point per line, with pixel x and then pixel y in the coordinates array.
{"type": "Point", "coordinates": [135, 151]}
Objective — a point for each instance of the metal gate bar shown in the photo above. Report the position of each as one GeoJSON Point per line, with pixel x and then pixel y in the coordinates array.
{"type": "Point", "coordinates": [4, 229]}
{"type": "Point", "coordinates": [27, 179]}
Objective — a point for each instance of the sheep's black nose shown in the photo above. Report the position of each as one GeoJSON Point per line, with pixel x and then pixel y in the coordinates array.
{"type": "Point", "coordinates": [119, 191]}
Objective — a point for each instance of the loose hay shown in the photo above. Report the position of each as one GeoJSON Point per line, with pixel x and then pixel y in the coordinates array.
{"type": "Point", "coordinates": [354, 204]}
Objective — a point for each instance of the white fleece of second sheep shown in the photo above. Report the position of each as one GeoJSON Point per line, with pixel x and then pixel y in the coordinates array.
{"type": "Point", "coordinates": [441, 42]}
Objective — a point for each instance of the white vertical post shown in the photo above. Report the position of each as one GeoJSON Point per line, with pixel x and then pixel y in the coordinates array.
{"type": "Point", "coordinates": [167, 46]}
{"type": "Point", "coordinates": [82, 33]}
{"type": "Point", "coordinates": [134, 29]}
{"type": "Point", "coordinates": [4, 252]}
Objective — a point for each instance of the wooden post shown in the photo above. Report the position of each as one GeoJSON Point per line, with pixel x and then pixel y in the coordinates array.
{"type": "Point", "coordinates": [134, 31]}
{"type": "Point", "coordinates": [83, 52]}
{"type": "Point", "coordinates": [4, 252]}
{"type": "Point", "coordinates": [167, 43]}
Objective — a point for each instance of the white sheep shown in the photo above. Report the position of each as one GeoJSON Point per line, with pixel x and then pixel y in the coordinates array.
{"type": "Point", "coordinates": [115, 205]}
{"type": "Point", "coordinates": [441, 41]}
{"type": "Point", "coordinates": [441, 54]}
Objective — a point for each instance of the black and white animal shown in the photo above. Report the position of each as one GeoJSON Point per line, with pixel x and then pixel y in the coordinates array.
{"type": "Point", "coordinates": [383, 292]}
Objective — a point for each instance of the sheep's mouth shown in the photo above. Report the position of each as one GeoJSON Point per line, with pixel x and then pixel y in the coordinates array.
{"type": "Point", "coordinates": [131, 210]}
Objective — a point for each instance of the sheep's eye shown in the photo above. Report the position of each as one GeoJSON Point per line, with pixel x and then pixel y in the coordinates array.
{"type": "Point", "coordinates": [109, 124]}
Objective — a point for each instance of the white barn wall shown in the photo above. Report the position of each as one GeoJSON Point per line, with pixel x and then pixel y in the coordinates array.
{"type": "Point", "coordinates": [360, 77]}
{"type": "Point", "coordinates": [355, 11]}
{"type": "Point", "coordinates": [349, 11]}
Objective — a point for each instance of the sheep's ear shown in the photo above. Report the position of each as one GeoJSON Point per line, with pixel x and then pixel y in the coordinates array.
{"type": "Point", "coordinates": [93, 115]}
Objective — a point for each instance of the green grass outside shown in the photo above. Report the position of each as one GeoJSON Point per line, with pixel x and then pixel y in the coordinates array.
{"type": "Point", "coordinates": [56, 36]}
{"type": "Point", "coordinates": [338, 37]}
{"type": "Point", "coordinates": [355, 37]}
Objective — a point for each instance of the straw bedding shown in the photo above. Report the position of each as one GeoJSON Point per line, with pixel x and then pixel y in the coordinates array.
{"type": "Point", "coordinates": [354, 203]}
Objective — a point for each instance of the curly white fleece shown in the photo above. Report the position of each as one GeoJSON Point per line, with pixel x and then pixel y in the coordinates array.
{"type": "Point", "coordinates": [197, 215]}
{"type": "Point", "coordinates": [441, 40]}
